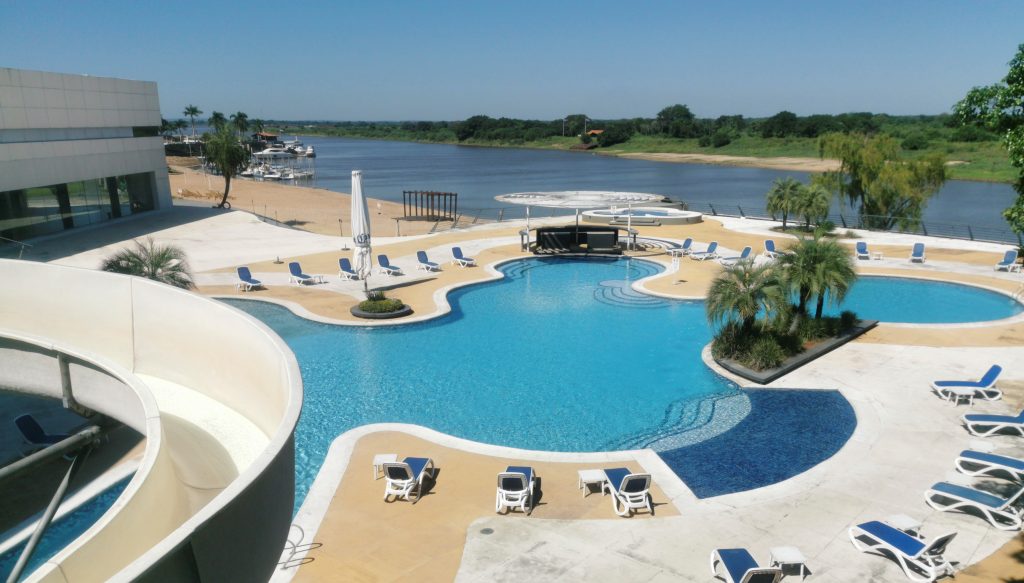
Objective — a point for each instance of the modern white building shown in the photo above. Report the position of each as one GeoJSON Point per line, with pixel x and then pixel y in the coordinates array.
{"type": "Point", "coordinates": [77, 150]}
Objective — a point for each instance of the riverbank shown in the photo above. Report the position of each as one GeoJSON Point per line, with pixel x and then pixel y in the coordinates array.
{"type": "Point", "coordinates": [778, 163]}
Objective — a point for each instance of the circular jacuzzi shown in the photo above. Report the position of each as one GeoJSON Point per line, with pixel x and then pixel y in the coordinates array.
{"type": "Point", "coordinates": [642, 216]}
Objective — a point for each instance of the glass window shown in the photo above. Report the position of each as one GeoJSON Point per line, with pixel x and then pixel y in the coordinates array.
{"type": "Point", "coordinates": [30, 212]}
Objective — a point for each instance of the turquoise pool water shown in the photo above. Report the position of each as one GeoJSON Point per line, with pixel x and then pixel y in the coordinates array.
{"type": "Point", "coordinates": [915, 301]}
{"type": "Point", "coordinates": [63, 531]}
{"type": "Point", "coordinates": [562, 355]}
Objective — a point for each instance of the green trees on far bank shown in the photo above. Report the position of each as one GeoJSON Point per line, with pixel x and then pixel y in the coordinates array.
{"type": "Point", "coordinates": [1000, 107]}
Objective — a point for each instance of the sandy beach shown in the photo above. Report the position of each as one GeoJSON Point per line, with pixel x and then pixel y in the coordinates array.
{"type": "Point", "coordinates": [781, 163]}
{"type": "Point", "coordinates": [316, 210]}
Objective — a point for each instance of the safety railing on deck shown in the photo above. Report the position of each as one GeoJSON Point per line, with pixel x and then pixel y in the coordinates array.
{"type": "Point", "coordinates": [20, 245]}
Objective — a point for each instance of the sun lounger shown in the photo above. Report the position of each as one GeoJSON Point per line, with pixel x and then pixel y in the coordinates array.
{"type": "Point", "coordinates": [743, 256]}
{"type": "Point", "coordinates": [770, 251]}
{"type": "Point", "coordinates": [245, 280]}
{"type": "Point", "coordinates": [1009, 262]}
{"type": "Point", "coordinates": [424, 263]}
{"type": "Point", "coordinates": [301, 278]}
{"type": "Point", "coordinates": [384, 266]}
{"type": "Point", "coordinates": [403, 478]}
{"type": "Point", "coordinates": [740, 567]}
{"type": "Point", "coordinates": [998, 511]}
{"type": "Point", "coordinates": [979, 463]}
{"type": "Point", "coordinates": [35, 436]}
{"type": "Point", "coordinates": [920, 560]}
{"type": "Point", "coordinates": [345, 270]}
{"type": "Point", "coordinates": [630, 491]}
{"type": "Point", "coordinates": [862, 250]}
{"type": "Point", "coordinates": [984, 388]}
{"type": "Point", "coordinates": [709, 253]}
{"type": "Point", "coordinates": [683, 249]}
{"type": "Point", "coordinates": [917, 253]}
{"type": "Point", "coordinates": [986, 425]}
{"type": "Point", "coordinates": [460, 259]}
{"type": "Point", "coordinates": [515, 489]}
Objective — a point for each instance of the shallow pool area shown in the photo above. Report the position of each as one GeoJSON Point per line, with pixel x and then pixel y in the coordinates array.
{"type": "Point", "coordinates": [919, 301]}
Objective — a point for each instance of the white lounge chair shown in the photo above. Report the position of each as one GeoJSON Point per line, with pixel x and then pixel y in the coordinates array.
{"type": "Point", "coordinates": [740, 567]}
{"type": "Point", "coordinates": [979, 463]}
{"type": "Point", "coordinates": [920, 560]}
{"type": "Point", "coordinates": [629, 491]}
{"type": "Point", "coordinates": [743, 256]}
{"type": "Point", "coordinates": [345, 270]}
{"type": "Point", "coordinates": [425, 264]}
{"type": "Point", "coordinates": [384, 266]}
{"type": "Point", "coordinates": [246, 281]}
{"type": "Point", "coordinates": [515, 489]}
{"type": "Point", "coordinates": [710, 253]}
{"type": "Point", "coordinates": [1009, 262]}
{"type": "Point", "coordinates": [460, 259]}
{"type": "Point", "coordinates": [770, 251]}
{"type": "Point", "coordinates": [862, 251]}
{"type": "Point", "coordinates": [297, 276]}
{"type": "Point", "coordinates": [682, 250]}
{"type": "Point", "coordinates": [917, 253]}
{"type": "Point", "coordinates": [986, 425]}
{"type": "Point", "coordinates": [999, 512]}
{"type": "Point", "coordinates": [984, 388]}
{"type": "Point", "coordinates": [403, 478]}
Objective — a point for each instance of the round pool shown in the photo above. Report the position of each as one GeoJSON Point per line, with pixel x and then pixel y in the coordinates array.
{"type": "Point", "coordinates": [643, 216]}
{"type": "Point", "coordinates": [920, 301]}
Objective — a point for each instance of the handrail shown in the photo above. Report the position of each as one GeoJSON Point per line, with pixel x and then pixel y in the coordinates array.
{"type": "Point", "coordinates": [16, 242]}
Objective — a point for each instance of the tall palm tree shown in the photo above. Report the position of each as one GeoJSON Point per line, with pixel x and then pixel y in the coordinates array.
{"type": "Point", "coordinates": [783, 198]}
{"type": "Point", "coordinates": [217, 120]}
{"type": "Point", "coordinates": [192, 112]}
{"type": "Point", "coordinates": [179, 125]}
{"type": "Point", "coordinates": [813, 203]}
{"type": "Point", "coordinates": [742, 292]}
{"type": "Point", "coordinates": [258, 125]}
{"type": "Point", "coordinates": [164, 263]}
{"type": "Point", "coordinates": [228, 156]}
{"type": "Point", "coordinates": [241, 122]}
{"type": "Point", "coordinates": [818, 267]}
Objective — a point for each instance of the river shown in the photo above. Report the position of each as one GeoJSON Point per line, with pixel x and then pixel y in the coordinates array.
{"type": "Point", "coordinates": [479, 174]}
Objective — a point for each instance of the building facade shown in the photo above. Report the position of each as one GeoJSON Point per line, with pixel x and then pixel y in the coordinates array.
{"type": "Point", "coordinates": [77, 150]}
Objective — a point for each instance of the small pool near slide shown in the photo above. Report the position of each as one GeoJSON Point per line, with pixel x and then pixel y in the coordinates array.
{"type": "Point", "coordinates": [560, 355]}
{"type": "Point", "coordinates": [61, 532]}
{"type": "Point", "coordinates": [918, 301]}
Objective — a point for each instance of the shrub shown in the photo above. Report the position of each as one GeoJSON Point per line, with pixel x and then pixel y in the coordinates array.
{"type": "Point", "coordinates": [812, 329]}
{"type": "Point", "coordinates": [847, 320]}
{"type": "Point", "coordinates": [765, 353]}
{"type": "Point", "coordinates": [730, 342]}
{"type": "Point", "coordinates": [915, 142]}
{"type": "Point", "coordinates": [704, 141]}
{"type": "Point", "coordinates": [376, 303]}
{"type": "Point", "coordinates": [721, 138]}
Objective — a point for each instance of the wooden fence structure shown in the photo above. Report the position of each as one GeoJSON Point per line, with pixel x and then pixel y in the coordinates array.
{"type": "Point", "coordinates": [430, 205]}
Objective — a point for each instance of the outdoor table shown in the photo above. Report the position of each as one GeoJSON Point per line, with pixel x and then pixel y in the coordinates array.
{"type": "Point", "coordinates": [378, 463]}
{"type": "Point", "coordinates": [588, 477]}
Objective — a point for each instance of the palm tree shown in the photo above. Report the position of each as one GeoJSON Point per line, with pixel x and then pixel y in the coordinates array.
{"type": "Point", "coordinates": [192, 112]}
{"type": "Point", "coordinates": [164, 263]}
{"type": "Point", "coordinates": [743, 291]}
{"type": "Point", "coordinates": [228, 156]}
{"type": "Point", "coordinates": [783, 197]}
{"type": "Point", "coordinates": [241, 122]}
{"type": "Point", "coordinates": [217, 120]}
{"type": "Point", "coordinates": [813, 203]}
{"type": "Point", "coordinates": [818, 267]}
{"type": "Point", "coordinates": [179, 125]}
{"type": "Point", "coordinates": [259, 125]}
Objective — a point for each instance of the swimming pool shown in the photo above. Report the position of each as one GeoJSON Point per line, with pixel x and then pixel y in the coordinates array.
{"type": "Point", "coordinates": [919, 301]}
{"type": "Point", "coordinates": [561, 355]}
{"type": "Point", "coordinates": [63, 531]}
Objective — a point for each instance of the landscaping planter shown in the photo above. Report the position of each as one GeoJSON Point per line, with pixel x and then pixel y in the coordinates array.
{"type": "Point", "coordinates": [404, 311]}
{"type": "Point", "coordinates": [790, 364]}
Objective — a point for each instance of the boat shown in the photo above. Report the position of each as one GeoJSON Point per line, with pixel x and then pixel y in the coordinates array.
{"type": "Point", "coordinates": [273, 153]}
{"type": "Point", "coordinates": [309, 152]}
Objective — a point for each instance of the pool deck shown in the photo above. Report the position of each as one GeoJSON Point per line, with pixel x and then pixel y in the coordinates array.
{"type": "Point", "coordinates": [906, 438]}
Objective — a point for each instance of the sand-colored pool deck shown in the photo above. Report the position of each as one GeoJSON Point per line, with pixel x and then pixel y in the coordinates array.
{"type": "Point", "coordinates": [906, 438]}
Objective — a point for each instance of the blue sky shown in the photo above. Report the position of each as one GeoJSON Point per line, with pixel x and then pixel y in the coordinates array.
{"type": "Point", "coordinates": [439, 60]}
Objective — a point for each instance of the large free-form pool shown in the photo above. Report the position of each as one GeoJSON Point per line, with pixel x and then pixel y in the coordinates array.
{"type": "Point", "coordinates": [562, 355]}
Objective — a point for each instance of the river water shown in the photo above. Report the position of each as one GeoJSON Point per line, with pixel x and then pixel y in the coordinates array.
{"type": "Point", "coordinates": [479, 174]}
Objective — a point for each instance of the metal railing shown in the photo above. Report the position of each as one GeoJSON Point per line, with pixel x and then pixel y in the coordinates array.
{"type": "Point", "coordinates": [966, 231]}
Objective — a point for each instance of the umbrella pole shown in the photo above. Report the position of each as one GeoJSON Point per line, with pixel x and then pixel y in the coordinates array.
{"type": "Point", "coordinates": [629, 223]}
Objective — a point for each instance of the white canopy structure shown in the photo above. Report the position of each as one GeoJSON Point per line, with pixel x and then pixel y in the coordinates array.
{"type": "Point", "coordinates": [578, 199]}
{"type": "Point", "coordinates": [360, 229]}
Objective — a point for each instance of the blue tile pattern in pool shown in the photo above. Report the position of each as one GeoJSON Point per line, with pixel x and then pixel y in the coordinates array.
{"type": "Point", "coordinates": [787, 432]}
{"type": "Point", "coordinates": [918, 301]}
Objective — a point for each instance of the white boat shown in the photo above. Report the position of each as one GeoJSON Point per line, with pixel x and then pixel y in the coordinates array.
{"type": "Point", "coordinates": [273, 153]}
{"type": "Point", "coordinates": [310, 153]}
{"type": "Point", "coordinates": [288, 175]}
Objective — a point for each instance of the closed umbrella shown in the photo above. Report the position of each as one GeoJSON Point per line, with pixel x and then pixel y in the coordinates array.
{"type": "Point", "coordinates": [360, 229]}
